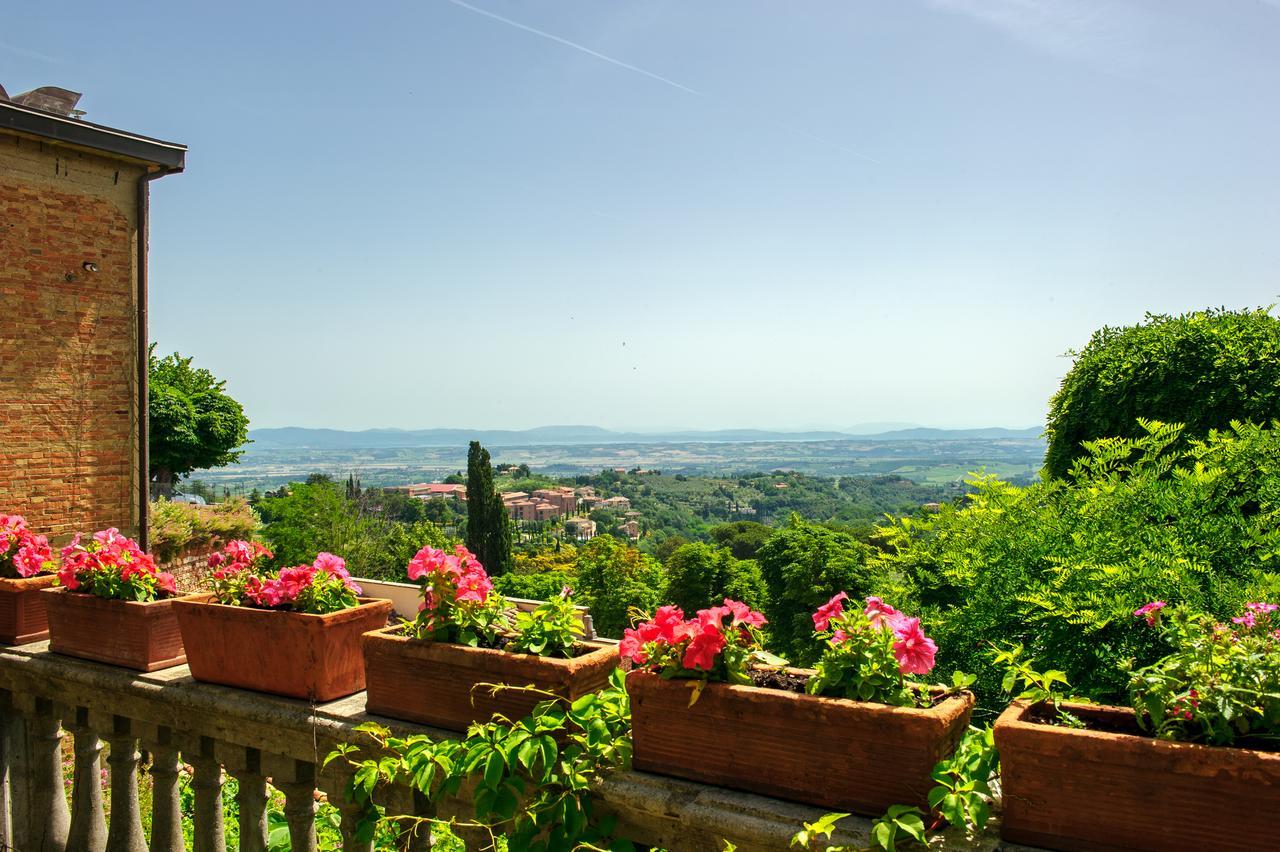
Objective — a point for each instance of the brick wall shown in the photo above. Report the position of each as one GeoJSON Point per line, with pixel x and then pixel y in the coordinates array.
{"type": "Point", "coordinates": [68, 396]}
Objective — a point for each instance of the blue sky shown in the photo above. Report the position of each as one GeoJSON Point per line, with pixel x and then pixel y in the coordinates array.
{"type": "Point", "coordinates": [654, 214]}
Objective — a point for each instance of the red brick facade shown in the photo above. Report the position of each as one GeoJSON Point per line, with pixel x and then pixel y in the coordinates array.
{"type": "Point", "coordinates": [68, 338]}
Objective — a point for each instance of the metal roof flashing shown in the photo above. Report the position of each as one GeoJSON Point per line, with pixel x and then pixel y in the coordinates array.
{"type": "Point", "coordinates": [75, 133]}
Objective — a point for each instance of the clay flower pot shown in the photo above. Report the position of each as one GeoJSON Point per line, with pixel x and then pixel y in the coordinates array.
{"type": "Point", "coordinates": [1112, 788]}
{"type": "Point", "coordinates": [140, 636]}
{"type": "Point", "coordinates": [432, 682]}
{"type": "Point", "coordinates": [831, 752]}
{"type": "Point", "coordinates": [22, 616]}
{"type": "Point", "coordinates": [297, 654]}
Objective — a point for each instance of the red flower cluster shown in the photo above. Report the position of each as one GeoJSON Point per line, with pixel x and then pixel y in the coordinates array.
{"type": "Point", "coordinates": [323, 586]}
{"type": "Point", "coordinates": [113, 566]}
{"type": "Point", "coordinates": [449, 581]}
{"type": "Point", "coordinates": [22, 552]}
{"type": "Point", "coordinates": [669, 641]}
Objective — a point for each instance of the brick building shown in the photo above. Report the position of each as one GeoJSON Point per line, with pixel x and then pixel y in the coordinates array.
{"type": "Point", "coordinates": [73, 297]}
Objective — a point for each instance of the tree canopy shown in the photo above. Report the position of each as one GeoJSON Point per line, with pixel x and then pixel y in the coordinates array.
{"type": "Point", "coordinates": [194, 422]}
{"type": "Point", "coordinates": [1203, 369]}
{"type": "Point", "coordinates": [488, 527]}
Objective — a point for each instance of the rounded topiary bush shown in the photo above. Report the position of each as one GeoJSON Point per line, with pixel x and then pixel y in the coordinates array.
{"type": "Point", "coordinates": [1202, 369]}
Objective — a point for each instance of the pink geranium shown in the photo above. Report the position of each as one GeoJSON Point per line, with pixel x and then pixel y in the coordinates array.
{"type": "Point", "coordinates": [111, 565]}
{"type": "Point", "coordinates": [23, 553]}
{"type": "Point", "coordinates": [716, 641]}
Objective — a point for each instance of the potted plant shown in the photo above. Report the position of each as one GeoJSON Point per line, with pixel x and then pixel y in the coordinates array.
{"type": "Point", "coordinates": [442, 668]}
{"type": "Point", "coordinates": [25, 560]}
{"type": "Point", "coordinates": [853, 734]}
{"type": "Point", "coordinates": [1193, 763]}
{"type": "Point", "coordinates": [113, 606]}
{"type": "Point", "coordinates": [293, 633]}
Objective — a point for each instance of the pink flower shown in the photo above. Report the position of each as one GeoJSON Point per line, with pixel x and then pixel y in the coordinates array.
{"type": "Point", "coordinates": [1248, 619]}
{"type": "Point", "coordinates": [913, 650]}
{"type": "Point", "coordinates": [216, 559]}
{"type": "Point", "coordinates": [166, 582]}
{"type": "Point", "coordinates": [1262, 608]}
{"type": "Point", "coordinates": [1149, 611]}
{"type": "Point", "coordinates": [838, 637]}
{"type": "Point", "coordinates": [831, 609]}
{"type": "Point", "coordinates": [702, 650]}
{"type": "Point", "coordinates": [880, 613]}
{"type": "Point", "coordinates": [333, 565]}
{"type": "Point", "coordinates": [744, 615]}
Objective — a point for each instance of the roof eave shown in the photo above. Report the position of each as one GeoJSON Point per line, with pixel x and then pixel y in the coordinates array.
{"type": "Point", "coordinates": [84, 135]}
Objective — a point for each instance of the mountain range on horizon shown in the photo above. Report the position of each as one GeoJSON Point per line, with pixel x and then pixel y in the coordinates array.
{"type": "Point", "coordinates": [300, 437]}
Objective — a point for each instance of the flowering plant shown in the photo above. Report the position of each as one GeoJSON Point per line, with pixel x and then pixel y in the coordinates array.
{"type": "Point", "coordinates": [111, 565]}
{"type": "Point", "coordinates": [551, 630]}
{"type": "Point", "coordinates": [868, 653]}
{"type": "Point", "coordinates": [1222, 681]}
{"type": "Point", "coordinates": [458, 602]}
{"type": "Point", "coordinates": [718, 644]}
{"type": "Point", "coordinates": [321, 587]}
{"type": "Point", "coordinates": [22, 552]}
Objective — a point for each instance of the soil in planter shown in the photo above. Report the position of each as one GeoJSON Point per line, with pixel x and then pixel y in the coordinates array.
{"type": "Point", "coordinates": [779, 679]}
{"type": "Point", "coordinates": [1128, 726]}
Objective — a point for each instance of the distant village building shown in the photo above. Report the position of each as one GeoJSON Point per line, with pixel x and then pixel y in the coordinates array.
{"type": "Point", "coordinates": [586, 491]}
{"type": "Point", "coordinates": [431, 490]}
{"type": "Point", "coordinates": [616, 503]}
{"type": "Point", "coordinates": [631, 528]}
{"type": "Point", "coordinates": [582, 529]}
{"type": "Point", "coordinates": [545, 504]}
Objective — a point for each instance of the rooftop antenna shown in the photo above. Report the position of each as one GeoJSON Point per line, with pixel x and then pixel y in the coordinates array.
{"type": "Point", "coordinates": [52, 99]}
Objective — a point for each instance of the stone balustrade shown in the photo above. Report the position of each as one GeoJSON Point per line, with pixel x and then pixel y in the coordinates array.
{"type": "Point", "coordinates": [256, 739]}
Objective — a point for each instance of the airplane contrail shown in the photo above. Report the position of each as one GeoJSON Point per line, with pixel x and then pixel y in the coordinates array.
{"type": "Point", "coordinates": [576, 46]}
{"type": "Point", "coordinates": [665, 80]}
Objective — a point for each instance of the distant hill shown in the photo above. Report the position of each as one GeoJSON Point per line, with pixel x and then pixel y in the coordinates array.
{"type": "Point", "coordinates": [298, 437]}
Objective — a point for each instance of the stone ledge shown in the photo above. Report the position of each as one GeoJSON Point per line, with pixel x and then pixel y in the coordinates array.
{"type": "Point", "coordinates": [652, 809]}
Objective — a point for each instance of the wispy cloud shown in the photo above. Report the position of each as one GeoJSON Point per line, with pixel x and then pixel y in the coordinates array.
{"type": "Point", "coordinates": [579, 47]}
{"type": "Point", "coordinates": [1105, 33]}
{"type": "Point", "coordinates": [28, 53]}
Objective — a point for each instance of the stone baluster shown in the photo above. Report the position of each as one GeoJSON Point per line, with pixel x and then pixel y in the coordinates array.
{"type": "Point", "coordinates": [208, 831]}
{"type": "Point", "coordinates": [252, 801]}
{"type": "Point", "coordinates": [10, 726]}
{"type": "Point", "coordinates": [48, 819]}
{"type": "Point", "coordinates": [166, 798]}
{"type": "Point", "coordinates": [88, 820]}
{"type": "Point", "coordinates": [299, 789]}
{"type": "Point", "coordinates": [125, 831]}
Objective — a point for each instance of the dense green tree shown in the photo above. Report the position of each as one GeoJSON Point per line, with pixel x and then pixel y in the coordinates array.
{"type": "Point", "coordinates": [803, 565]}
{"type": "Point", "coordinates": [743, 538]}
{"type": "Point", "coordinates": [700, 576]}
{"type": "Point", "coordinates": [194, 422]}
{"type": "Point", "coordinates": [613, 579]}
{"type": "Point", "coordinates": [1062, 564]}
{"type": "Point", "coordinates": [488, 526]}
{"type": "Point", "coordinates": [1203, 369]}
{"type": "Point", "coordinates": [309, 518]}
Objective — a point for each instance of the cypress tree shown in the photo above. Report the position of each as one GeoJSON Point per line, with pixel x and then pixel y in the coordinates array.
{"type": "Point", "coordinates": [488, 532]}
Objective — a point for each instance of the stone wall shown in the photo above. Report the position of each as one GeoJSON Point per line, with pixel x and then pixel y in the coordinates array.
{"type": "Point", "coordinates": [189, 568]}
{"type": "Point", "coordinates": [68, 338]}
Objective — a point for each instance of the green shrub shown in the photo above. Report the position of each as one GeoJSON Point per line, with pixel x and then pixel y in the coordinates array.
{"type": "Point", "coordinates": [1060, 566]}
{"type": "Point", "coordinates": [613, 579]}
{"type": "Point", "coordinates": [803, 565]}
{"type": "Point", "coordinates": [176, 527]}
{"type": "Point", "coordinates": [1202, 369]}
{"type": "Point", "coordinates": [700, 576]}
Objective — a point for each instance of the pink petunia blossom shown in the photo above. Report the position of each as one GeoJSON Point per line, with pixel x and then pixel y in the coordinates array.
{"type": "Point", "coordinates": [831, 609]}
{"type": "Point", "coordinates": [1150, 612]}
{"type": "Point", "coordinates": [913, 650]}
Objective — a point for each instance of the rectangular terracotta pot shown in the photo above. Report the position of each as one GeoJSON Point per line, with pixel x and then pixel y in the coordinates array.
{"type": "Point", "coordinates": [1104, 789]}
{"type": "Point", "coordinates": [296, 654]}
{"type": "Point", "coordinates": [140, 636]}
{"type": "Point", "coordinates": [831, 752]}
{"type": "Point", "coordinates": [435, 683]}
{"type": "Point", "coordinates": [22, 615]}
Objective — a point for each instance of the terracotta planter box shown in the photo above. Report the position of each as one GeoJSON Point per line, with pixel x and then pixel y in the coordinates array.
{"type": "Point", "coordinates": [140, 636]}
{"type": "Point", "coordinates": [831, 752]}
{"type": "Point", "coordinates": [432, 682]}
{"type": "Point", "coordinates": [22, 616]}
{"type": "Point", "coordinates": [297, 654]}
{"type": "Point", "coordinates": [1100, 790]}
